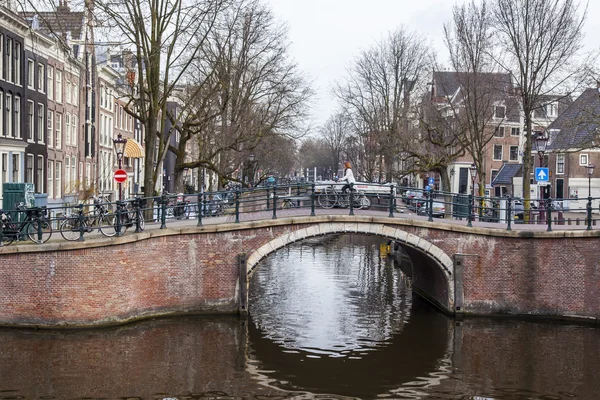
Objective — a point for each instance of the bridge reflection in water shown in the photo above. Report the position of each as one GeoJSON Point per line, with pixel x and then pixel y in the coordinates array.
{"type": "Point", "coordinates": [390, 345]}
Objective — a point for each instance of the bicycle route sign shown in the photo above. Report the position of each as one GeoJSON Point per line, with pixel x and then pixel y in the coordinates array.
{"type": "Point", "coordinates": [120, 176]}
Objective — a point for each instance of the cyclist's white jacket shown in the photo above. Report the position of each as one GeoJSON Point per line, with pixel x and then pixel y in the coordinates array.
{"type": "Point", "coordinates": [349, 176]}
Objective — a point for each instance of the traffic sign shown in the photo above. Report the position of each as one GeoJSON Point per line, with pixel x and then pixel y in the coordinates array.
{"type": "Point", "coordinates": [542, 174]}
{"type": "Point", "coordinates": [430, 181]}
{"type": "Point", "coordinates": [120, 176]}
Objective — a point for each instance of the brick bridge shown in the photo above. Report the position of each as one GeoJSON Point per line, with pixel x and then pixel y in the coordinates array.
{"type": "Point", "coordinates": [189, 269]}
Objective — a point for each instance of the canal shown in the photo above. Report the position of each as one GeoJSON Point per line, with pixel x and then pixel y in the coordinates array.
{"type": "Point", "coordinates": [329, 318]}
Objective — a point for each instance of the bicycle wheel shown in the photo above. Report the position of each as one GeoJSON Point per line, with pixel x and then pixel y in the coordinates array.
{"type": "Point", "coordinates": [9, 233]}
{"type": "Point", "coordinates": [107, 225]}
{"type": "Point", "coordinates": [365, 202]}
{"type": "Point", "coordinates": [39, 231]}
{"type": "Point", "coordinates": [142, 222]}
{"type": "Point", "coordinates": [327, 200]}
{"type": "Point", "coordinates": [69, 229]}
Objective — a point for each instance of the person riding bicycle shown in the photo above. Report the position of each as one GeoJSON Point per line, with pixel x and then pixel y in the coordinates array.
{"type": "Point", "coordinates": [348, 177]}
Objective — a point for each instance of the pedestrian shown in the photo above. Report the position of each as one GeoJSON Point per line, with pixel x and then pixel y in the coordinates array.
{"type": "Point", "coordinates": [348, 177]}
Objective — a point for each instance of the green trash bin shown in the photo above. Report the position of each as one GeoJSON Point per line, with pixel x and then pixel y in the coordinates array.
{"type": "Point", "coordinates": [14, 193]}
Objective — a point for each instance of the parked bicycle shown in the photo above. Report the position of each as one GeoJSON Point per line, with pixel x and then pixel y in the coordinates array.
{"type": "Point", "coordinates": [35, 226]}
{"type": "Point", "coordinates": [129, 216]}
{"type": "Point", "coordinates": [100, 218]}
{"type": "Point", "coordinates": [331, 197]}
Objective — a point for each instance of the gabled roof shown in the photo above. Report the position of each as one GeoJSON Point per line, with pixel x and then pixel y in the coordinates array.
{"type": "Point", "coordinates": [447, 83]}
{"type": "Point", "coordinates": [506, 173]}
{"type": "Point", "coordinates": [59, 22]}
{"type": "Point", "coordinates": [578, 125]}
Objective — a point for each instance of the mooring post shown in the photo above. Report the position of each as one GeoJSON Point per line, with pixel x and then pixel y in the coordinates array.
{"type": "Point", "coordinates": [243, 279]}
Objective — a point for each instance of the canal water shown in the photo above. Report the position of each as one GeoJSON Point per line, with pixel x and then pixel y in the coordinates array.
{"type": "Point", "coordinates": [329, 319]}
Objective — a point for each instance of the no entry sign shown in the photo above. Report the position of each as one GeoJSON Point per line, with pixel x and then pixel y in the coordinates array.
{"type": "Point", "coordinates": [120, 176]}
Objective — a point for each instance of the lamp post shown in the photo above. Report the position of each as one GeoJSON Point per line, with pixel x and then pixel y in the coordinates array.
{"type": "Point", "coordinates": [251, 177]}
{"type": "Point", "coordinates": [590, 171]}
{"type": "Point", "coordinates": [473, 169]}
{"type": "Point", "coordinates": [119, 144]}
{"type": "Point", "coordinates": [541, 140]}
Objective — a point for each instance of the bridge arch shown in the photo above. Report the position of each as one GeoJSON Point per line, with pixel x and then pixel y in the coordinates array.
{"type": "Point", "coordinates": [438, 258]}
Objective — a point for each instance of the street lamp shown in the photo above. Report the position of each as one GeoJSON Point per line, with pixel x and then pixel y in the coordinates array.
{"type": "Point", "coordinates": [590, 171]}
{"type": "Point", "coordinates": [473, 169]}
{"type": "Point", "coordinates": [119, 144]}
{"type": "Point", "coordinates": [251, 178]}
{"type": "Point", "coordinates": [541, 141]}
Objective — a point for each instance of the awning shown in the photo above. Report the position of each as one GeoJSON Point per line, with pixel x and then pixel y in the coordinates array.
{"type": "Point", "coordinates": [506, 173]}
{"type": "Point", "coordinates": [133, 149]}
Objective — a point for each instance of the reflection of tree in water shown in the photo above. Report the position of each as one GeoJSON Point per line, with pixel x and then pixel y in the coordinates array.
{"type": "Point", "coordinates": [330, 295]}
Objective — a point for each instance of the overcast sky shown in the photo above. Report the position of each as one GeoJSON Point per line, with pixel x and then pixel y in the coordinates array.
{"type": "Point", "coordinates": [327, 35]}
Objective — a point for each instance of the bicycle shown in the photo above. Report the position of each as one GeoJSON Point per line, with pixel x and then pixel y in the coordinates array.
{"type": "Point", "coordinates": [35, 226]}
{"type": "Point", "coordinates": [101, 219]}
{"type": "Point", "coordinates": [129, 217]}
{"type": "Point", "coordinates": [332, 196]}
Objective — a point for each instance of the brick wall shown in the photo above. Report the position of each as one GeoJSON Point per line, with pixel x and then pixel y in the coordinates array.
{"type": "Point", "coordinates": [195, 270]}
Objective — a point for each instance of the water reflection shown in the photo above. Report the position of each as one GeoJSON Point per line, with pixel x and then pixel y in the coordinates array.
{"type": "Point", "coordinates": [329, 315]}
{"type": "Point", "coordinates": [395, 347]}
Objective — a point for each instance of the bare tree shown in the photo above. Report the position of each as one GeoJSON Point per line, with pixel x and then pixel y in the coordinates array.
{"type": "Point", "coordinates": [541, 40]}
{"type": "Point", "coordinates": [376, 93]}
{"type": "Point", "coordinates": [473, 89]}
{"type": "Point", "coordinates": [335, 133]}
{"type": "Point", "coordinates": [252, 89]}
{"type": "Point", "coordinates": [165, 35]}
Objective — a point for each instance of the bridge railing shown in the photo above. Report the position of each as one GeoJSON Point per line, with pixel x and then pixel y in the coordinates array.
{"type": "Point", "coordinates": [78, 221]}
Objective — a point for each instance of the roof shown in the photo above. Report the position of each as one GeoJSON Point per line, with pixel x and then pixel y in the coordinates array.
{"type": "Point", "coordinates": [447, 82]}
{"type": "Point", "coordinates": [506, 173]}
{"type": "Point", "coordinates": [577, 126]}
{"type": "Point", "coordinates": [58, 22]}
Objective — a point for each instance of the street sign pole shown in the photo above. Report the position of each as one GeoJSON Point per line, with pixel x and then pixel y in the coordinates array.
{"type": "Point", "coordinates": [120, 177]}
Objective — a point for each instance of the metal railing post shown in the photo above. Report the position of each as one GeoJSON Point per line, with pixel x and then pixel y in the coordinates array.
{"type": "Point", "coordinates": [392, 202]}
{"type": "Point", "coordinates": [509, 213]}
{"type": "Point", "coordinates": [351, 197]}
{"type": "Point", "coordinates": [2, 216]}
{"type": "Point", "coordinates": [119, 225]}
{"type": "Point", "coordinates": [470, 216]}
{"type": "Point", "coordinates": [549, 214]}
{"type": "Point", "coordinates": [80, 219]}
{"type": "Point", "coordinates": [268, 198]}
{"type": "Point", "coordinates": [137, 202]}
{"type": "Point", "coordinates": [274, 202]}
{"type": "Point", "coordinates": [298, 194]}
{"type": "Point", "coordinates": [200, 208]}
{"type": "Point", "coordinates": [163, 211]}
{"type": "Point", "coordinates": [237, 206]}
{"type": "Point", "coordinates": [312, 200]}
{"type": "Point", "coordinates": [430, 209]}
{"type": "Point", "coordinates": [38, 215]}
{"type": "Point", "coordinates": [589, 213]}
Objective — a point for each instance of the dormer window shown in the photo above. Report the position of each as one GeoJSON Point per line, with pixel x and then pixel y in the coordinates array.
{"type": "Point", "coordinates": [499, 112]}
{"type": "Point", "coordinates": [551, 110]}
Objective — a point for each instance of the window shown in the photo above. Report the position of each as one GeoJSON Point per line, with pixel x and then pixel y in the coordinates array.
{"type": "Point", "coordinates": [29, 169]}
{"type": "Point", "coordinates": [75, 95]}
{"type": "Point", "coordinates": [58, 83]}
{"type": "Point", "coordinates": [50, 185]}
{"type": "Point", "coordinates": [50, 82]}
{"type": "Point", "coordinates": [560, 163]}
{"type": "Point", "coordinates": [58, 179]}
{"type": "Point", "coordinates": [80, 173]}
{"type": "Point", "coordinates": [9, 116]}
{"type": "Point", "coordinates": [74, 130]}
{"type": "Point", "coordinates": [493, 175]}
{"type": "Point", "coordinates": [30, 73]}
{"type": "Point", "coordinates": [67, 174]}
{"type": "Point", "coordinates": [16, 166]}
{"type": "Point", "coordinates": [1, 56]}
{"type": "Point", "coordinates": [67, 129]}
{"type": "Point", "coordinates": [514, 153]}
{"type": "Point", "coordinates": [68, 91]}
{"type": "Point", "coordinates": [41, 123]}
{"type": "Point", "coordinates": [583, 159]}
{"type": "Point", "coordinates": [2, 131]}
{"type": "Point", "coordinates": [30, 120]}
{"type": "Point", "coordinates": [18, 63]}
{"type": "Point", "coordinates": [515, 131]}
{"type": "Point", "coordinates": [9, 66]}
{"type": "Point", "coordinates": [40, 174]}
{"type": "Point", "coordinates": [58, 143]}
{"type": "Point", "coordinates": [4, 167]}
{"type": "Point", "coordinates": [499, 112]}
{"type": "Point", "coordinates": [41, 77]}
{"type": "Point", "coordinates": [50, 128]}
{"type": "Point", "coordinates": [17, 117]}
{"type": "Point", "coordinates": [499, 132]}
{"type": "Point", "coordinates": [497, 152]}
{"type": "Point", "coordinates": [88, 174]}
{"type": "Point", "coordinates": [73, 173]}
{"type": "Point", "coordinates": [551, 110]}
